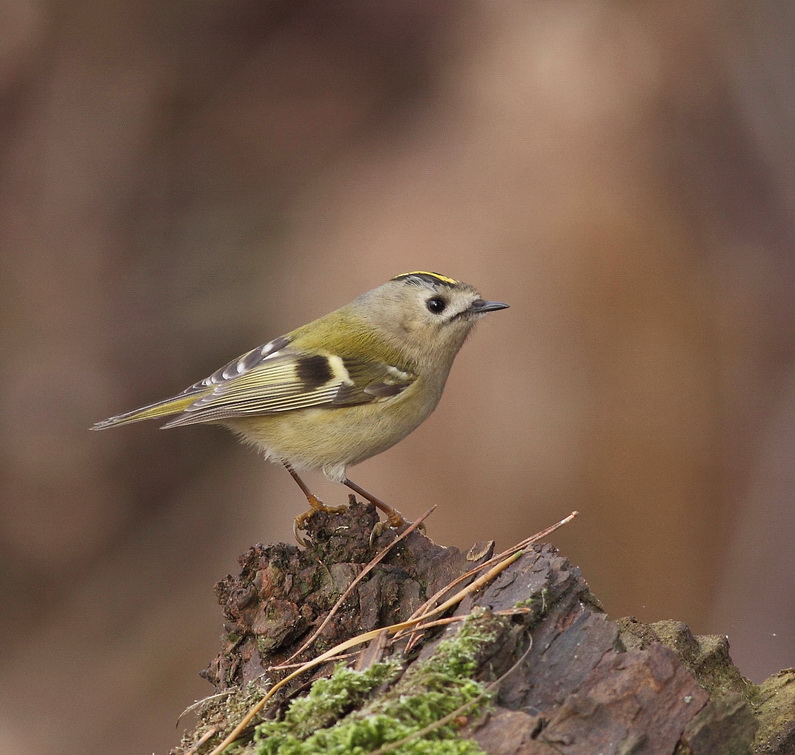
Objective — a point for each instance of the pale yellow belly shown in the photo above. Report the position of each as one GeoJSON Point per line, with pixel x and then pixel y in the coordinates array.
{"type": "Point", "coordinates": [330, 439]}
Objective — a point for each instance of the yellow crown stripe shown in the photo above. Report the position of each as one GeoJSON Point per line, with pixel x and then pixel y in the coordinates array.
{"type": "Point", "coordinates": [440, 278]}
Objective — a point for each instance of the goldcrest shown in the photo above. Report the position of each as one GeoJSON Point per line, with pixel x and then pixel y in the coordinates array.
{"type": "Point", "coordinates": [342, 388]}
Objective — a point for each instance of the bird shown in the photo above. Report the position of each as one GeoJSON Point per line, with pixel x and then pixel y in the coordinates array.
{"type": "Point", "coordinates": [340, 389]}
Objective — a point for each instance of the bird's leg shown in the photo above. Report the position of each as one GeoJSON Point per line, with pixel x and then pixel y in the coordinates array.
{"type": "Point", "coordinates": [394, 517]}
{"type": "Point", "coordinates": [314, 502]}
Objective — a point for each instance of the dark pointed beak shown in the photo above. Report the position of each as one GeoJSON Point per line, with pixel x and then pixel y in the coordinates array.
{"type": "Point", "coordinates": [479, 306]}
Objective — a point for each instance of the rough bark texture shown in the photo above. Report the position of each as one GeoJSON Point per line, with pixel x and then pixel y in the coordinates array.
{"type": "Point", "coordinates": [570, 680]}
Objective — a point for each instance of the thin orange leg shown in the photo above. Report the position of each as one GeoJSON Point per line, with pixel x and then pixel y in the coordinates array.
{"type": "Point", "coordinates": [395, 518]}
{"type": "Point", "coordinates": [314, 502]}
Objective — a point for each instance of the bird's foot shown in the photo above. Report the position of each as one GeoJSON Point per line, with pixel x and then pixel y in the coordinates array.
{"type": "Point", "coordinates": [395, 521]}
{"type": "Point", "coordinates": [299, 523]}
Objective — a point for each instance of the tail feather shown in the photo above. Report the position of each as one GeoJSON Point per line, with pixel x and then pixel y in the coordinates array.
{"type": "Point", "coordinates": [159, 409]}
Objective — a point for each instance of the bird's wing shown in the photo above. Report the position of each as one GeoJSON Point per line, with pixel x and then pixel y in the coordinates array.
{"type": "Point", "coordinates": [278, 378]}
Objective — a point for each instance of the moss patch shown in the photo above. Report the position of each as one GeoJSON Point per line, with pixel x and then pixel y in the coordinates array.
{"type": "Point", "coordinates": [336, 716]}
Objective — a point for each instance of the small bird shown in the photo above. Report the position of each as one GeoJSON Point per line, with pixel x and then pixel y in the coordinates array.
{"type": "Point", "coordinates": [342, 388]}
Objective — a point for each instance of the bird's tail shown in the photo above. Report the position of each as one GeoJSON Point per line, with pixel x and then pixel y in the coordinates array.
{"type": "Point", "coordinates": [163, 408]}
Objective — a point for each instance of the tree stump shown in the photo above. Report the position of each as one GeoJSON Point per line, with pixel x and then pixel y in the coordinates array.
{"type": "Point", "coordinates": [538, 667]}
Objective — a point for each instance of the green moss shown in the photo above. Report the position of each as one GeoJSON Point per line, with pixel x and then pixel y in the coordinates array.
{"type": "Point", "coordinates": [327, 701]}
{"type": "Point", "coordinates": [336, 717]}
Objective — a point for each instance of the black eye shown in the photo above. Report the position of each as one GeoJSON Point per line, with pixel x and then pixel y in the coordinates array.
{"type": "Point", "coordinates": [436, 305]}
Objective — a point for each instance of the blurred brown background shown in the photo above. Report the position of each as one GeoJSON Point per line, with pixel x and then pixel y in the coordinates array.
{"type": "Point", "coordinates": [182, 181]}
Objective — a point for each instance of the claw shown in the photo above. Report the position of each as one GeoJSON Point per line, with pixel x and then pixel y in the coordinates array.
{"type": "Point", "coordinates": [298, 526]}
{"type": "Point", "coordinates": [375, 533]}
